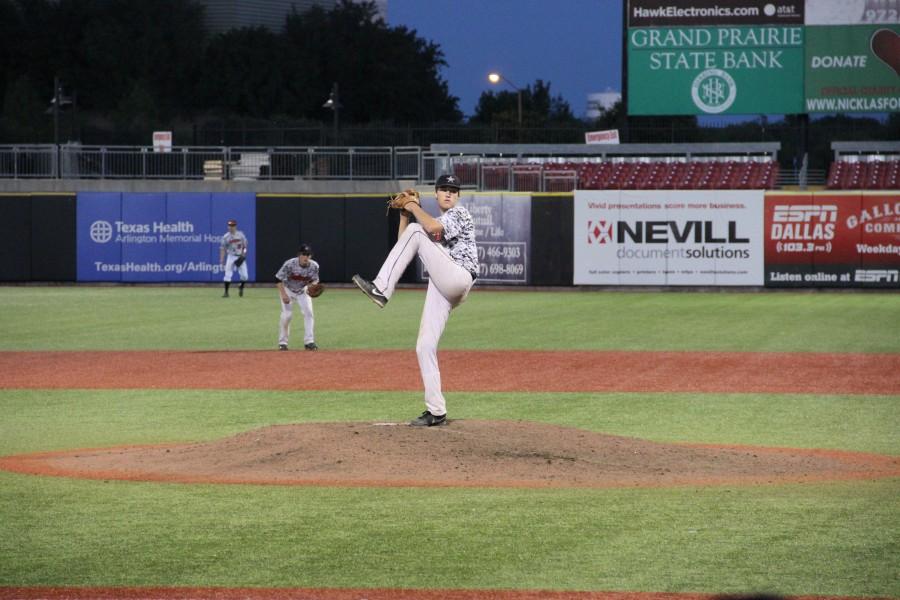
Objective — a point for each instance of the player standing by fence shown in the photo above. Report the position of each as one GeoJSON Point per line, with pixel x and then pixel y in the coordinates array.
{"type": "Point", "coordinates": [234, 246]}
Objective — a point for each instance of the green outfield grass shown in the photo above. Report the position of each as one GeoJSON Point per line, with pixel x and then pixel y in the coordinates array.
{"type": "Point", "coordinates": [840, 538]}
{"type": "Point", "coordinates": [129, 318]}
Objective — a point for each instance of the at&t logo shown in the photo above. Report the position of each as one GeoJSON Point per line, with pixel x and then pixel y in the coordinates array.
{"type": "Point", "coordinates": [713, 91]}
{"type": "Point", "coordinates": [101, 232]}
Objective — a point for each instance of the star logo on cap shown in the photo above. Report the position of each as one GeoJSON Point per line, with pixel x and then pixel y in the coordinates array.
{"type": "Point", "coordinates": [451, 179]}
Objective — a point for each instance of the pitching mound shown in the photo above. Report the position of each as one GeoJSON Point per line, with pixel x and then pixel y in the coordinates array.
{"type": "Point", "coordinates": [465, 453]}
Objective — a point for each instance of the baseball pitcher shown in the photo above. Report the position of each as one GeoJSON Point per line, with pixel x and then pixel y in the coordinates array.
{"type": "Point", "coordinates": [446, 245]}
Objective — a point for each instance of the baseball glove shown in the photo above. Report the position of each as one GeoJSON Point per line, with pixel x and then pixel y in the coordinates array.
{"type": "Point", "coordinates": [399, 201]}
{"type": "Point", "coordinates": [239, 261]}
{"type": "Point", "coordinates": [314, 290]}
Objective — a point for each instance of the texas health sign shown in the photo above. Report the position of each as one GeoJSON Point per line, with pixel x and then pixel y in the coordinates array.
{"type": "Point", "coordinates": [158, 237]}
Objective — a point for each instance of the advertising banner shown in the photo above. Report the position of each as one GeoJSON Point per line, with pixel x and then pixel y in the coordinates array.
{"type": "Point", "coordinates": [715, 70]}
{"type": "Point", "coordinates": [98, 251]}
{"type": "Point", "coordinates": [832, 239]}
{"type": "Point", "coordinates": [158, 237]}
{"type": "Point", "coordinates": [853, 68]}
{"type": "Point", "coordinates": [852, 12]}
{"type": "Point", "coordinates": [695, 237]}
{"type": "Point", "coordinates": [661, 13]}
{"type": "Point", "coordinates": [609, 136]}
{"type": "Point", "coordinates": [502, 232]}
{"type": "Point", "coordinates": [188, 247]}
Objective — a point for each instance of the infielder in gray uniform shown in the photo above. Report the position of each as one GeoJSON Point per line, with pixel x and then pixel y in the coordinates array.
{"type": "Point", "coordinates": [234, 247]}
{"type": "Point", "coordinates": [446, 246]}
{"type": "Point", "coordinates": [293, 278]}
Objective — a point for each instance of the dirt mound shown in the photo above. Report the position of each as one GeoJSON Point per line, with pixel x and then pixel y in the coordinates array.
{"type": "Point", "coordinates": [465, 453]}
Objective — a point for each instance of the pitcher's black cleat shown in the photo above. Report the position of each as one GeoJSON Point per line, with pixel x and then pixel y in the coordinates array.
{"type": "Point", "coordinates": [426, 419]}
{"type": "Point", "coordinates": [282, 347]}
{"type": "Point", "coordinates": [311, 346]}
{"type": "Point", "coordinates": [368, 288]}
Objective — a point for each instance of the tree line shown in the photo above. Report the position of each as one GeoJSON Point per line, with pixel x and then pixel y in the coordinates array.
{"type": "Point", "coordinates": [128, 66]}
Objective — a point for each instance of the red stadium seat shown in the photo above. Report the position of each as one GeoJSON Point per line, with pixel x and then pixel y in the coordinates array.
{"type": "Point", "coordinates": [835, 174]}
{"type": "Point", "coordinates": [892, 175]}
{"type": "Point", "coordinates": [495, 177]}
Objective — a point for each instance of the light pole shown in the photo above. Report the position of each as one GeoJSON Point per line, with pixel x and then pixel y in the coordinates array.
{"type": "Point", "coordinates": [496, 78]}
{"type": "Point", "coordinates": [334, 104]}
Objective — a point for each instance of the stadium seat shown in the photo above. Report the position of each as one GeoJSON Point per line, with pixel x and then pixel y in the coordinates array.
{"type": "Point", "coordinates": [466, 172]}
{"type": "Point", "coordinates": [892, 175]}
{"type": "Point", "coordinates": [495, 177]}
{"type": "Point", "coordinates": [526, 178]}
{"type": "Point", "coordinates": [835, 173]}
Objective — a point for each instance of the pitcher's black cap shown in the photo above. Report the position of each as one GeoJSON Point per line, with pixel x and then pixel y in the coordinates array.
{"type": "Point", "coordinates": [305, 249]}
{"type": "Point", "coordinates": [231, 222]}
{"type": "Point", "coordinates": [450, 181]}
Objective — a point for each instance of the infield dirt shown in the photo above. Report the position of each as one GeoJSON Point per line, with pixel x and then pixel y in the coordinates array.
{"type": "Point", "coordinates": [477, 371]}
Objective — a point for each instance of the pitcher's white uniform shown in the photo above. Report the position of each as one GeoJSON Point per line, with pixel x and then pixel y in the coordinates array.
{"type": "Point", "coordinates": [295, 277]}
{"type": "Point", "coordinates": [452, 265]}
{"type": "Point", "coordinates": [235, 246]}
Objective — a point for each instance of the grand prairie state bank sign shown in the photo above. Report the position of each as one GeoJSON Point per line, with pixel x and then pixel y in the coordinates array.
{"type": "Point", "coordinates": [716, 70]}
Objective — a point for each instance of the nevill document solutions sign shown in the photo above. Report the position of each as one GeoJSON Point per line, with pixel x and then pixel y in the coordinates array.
{"type": "Point", "coordinates": [692, 237]}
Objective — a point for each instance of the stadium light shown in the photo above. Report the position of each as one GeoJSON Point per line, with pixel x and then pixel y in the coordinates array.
{"type": "Point", "coordinates": [496, 78]}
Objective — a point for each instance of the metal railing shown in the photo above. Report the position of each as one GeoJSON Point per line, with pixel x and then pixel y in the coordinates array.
{"type": "Point", "coordinates": [74, 161]}
{"type": "Point", "coordinates": [533, 168]}
{"type": "Point", "coordinates": [20, 162]}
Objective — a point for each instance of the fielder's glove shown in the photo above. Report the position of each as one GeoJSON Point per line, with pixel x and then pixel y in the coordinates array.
{"type": "Point", "coordinates": [314, 290]}
{"type": "Point", "coordinates": [399, 201]}
{"type": "Point", "coordinates": [240, 260]}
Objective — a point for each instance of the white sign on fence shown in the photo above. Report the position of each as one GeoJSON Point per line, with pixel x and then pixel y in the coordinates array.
{"type": "Point", "coordinates": [683, 237]}
{"type": "Point", "coordinates": [610, 136]}
{"type": "Point", "coordinates": [162, 141]}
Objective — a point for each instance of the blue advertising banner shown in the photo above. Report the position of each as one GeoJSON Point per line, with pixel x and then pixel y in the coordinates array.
{"type": "Point", "coordinates": [96, 216]}
{"type": "Point", "coordinates": [189, 243]}
{"type": "Point", "coordinates": [156, 237]}
{"type": "Point", "coordinates": [144, 216]}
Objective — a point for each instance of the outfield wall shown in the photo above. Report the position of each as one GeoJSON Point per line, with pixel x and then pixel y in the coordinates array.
{"type": "Point", "coordinates": [737, 238]}
{"type": "Point", "coordinates": [608, 238]}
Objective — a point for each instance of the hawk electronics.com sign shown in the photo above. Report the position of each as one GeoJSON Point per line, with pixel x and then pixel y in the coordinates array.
{"type": "Point", "coordinates": [157, 237]}
{"type": "Point", "coordinates": [752, 65]}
